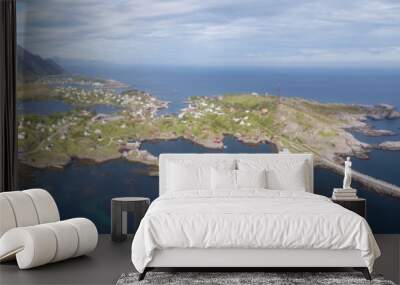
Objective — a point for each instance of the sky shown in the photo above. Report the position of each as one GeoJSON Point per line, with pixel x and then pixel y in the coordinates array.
{"type": "Point", "coordinates": [357, 33]}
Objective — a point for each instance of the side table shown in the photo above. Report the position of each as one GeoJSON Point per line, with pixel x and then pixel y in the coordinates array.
{"type": "Point", "coordinates": [357, 205]}
{"type": "Point", "coordinates": [119, 212]}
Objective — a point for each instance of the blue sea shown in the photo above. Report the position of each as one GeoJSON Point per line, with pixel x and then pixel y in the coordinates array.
{"type": "Point", "coordinates": [98, 183]}
{"type": "Point", "coordinates": [175, 84]}
{"type": "Point", "coordinates": [48, 107]}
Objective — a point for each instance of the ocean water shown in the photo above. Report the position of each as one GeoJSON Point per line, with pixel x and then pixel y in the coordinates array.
{"type": "Point", "coordinates": [175, 84]}
{"type": "Point", "coordinates": [104, 109]}
{"type": "Point", "coordinates": [42, 107]}
{"type": "Point", "coordinates": [98, 183]}
{"type": "Point", "coordinates": [49, 107]}
{"type": "Point", "coordinates": [391, 125]}
{"type": "Point", "coordinates": [232, 145]}
{"type": "Point", "coordinates": [85, 189]}
{"type": "Point", "coordinates": [381, 164]}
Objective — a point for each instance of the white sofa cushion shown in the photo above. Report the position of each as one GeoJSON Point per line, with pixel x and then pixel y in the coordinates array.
{"type": "Point", "coordinates": [23, 208]}
{"type": "Point", "coordinates": [87, 234]}
{"type": "Point", "coordinates": [26, 208]}
{"type": "Point", "coordinates": [67, 239]}
{"type": "Point", "coordinates": [7, 220]}
{"type": "Point", "coordinates": [45, 205]}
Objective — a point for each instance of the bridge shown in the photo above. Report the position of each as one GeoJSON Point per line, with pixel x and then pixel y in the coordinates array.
{"type": "Point", "coordinates": [376, 185]}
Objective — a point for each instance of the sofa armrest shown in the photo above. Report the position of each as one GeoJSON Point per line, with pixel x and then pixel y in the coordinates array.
{"type": "Point", "coordinates": [41, 244]}
{"type": "Point", "coordinates": [32, 246]}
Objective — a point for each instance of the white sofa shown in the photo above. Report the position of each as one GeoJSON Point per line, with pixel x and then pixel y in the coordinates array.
{"type": "Point", "coordinates": [31, 230]}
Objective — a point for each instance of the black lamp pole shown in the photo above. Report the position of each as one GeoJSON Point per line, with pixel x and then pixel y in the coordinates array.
{"type": "Point", "coordinates": [8, 132]}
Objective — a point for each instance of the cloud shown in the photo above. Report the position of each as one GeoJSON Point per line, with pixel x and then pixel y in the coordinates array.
{"type": "Point", "coordinates": [209, 32]}
{"type": "Point", "coordinates": [354, 57]}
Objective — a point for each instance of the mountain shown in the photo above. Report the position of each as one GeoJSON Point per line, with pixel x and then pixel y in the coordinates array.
{"type": "Point", "coordinates": [30, 65]}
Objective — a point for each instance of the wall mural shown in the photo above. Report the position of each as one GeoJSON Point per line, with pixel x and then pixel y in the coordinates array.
{"type": "Point", "coordinates": [105, 86]}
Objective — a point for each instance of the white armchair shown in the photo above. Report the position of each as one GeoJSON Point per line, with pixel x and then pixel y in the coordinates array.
{"type": "Point", "coordinates": [31, 230]}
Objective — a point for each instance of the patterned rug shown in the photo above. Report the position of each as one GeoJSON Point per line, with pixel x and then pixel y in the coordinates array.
{"type": "Point", "coordinates": [243, 278]}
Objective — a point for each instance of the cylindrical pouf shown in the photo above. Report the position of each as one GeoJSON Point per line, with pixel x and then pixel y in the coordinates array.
{"type": "Point", "coordinates": [87, 235]}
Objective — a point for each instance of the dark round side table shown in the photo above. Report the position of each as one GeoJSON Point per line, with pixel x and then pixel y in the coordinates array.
{"type": "Point", "coordinates": [119, 212]}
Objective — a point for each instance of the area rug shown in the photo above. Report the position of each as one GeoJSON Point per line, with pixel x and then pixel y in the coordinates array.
{"type": "Point", "coordinates": [269, 278]}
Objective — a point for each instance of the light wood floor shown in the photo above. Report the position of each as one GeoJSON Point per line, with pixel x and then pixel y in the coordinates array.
{"type": "Point", "coordinates": [110, 260]}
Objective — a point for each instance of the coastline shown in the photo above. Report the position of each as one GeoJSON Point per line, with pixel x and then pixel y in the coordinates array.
{"type": "Point", "coordinates": [296, 124]}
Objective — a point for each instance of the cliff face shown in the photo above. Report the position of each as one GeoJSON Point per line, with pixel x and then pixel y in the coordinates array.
{"type": "Point", "coordinates": [30, 66]}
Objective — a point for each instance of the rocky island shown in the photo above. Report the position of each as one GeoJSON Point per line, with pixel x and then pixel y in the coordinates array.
{"type": "Point", "coordinates": [389, 145]}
